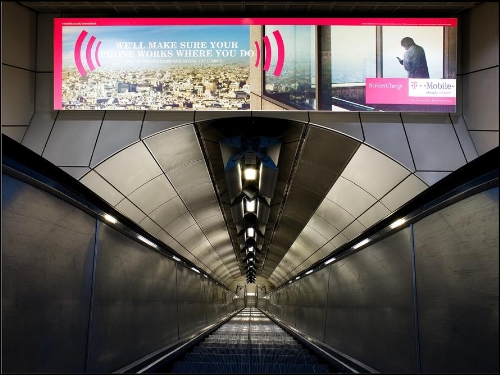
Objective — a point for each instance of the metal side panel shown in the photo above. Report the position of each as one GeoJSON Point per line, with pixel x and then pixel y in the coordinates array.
{"type": "Point", "coordinates": [210, 297]}
{"type": "Point", "coordinates": [191, 306]}
{"type": "Point", "coordinates": [456, 251]}
{"type": "Point", "coordinates": [311, 304]}
{"type": "Point", "coordinates": [370, 314]}
{"type": "Point", "coordinates": [47, 256]}
{"type": "Point", "coordinates": [135, 302]}
{"type": "Point", "coordinates": [287, 305]}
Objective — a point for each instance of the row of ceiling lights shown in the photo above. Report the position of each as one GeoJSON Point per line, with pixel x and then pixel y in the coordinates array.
{"type": "Point", "coordinates": [251, 174]}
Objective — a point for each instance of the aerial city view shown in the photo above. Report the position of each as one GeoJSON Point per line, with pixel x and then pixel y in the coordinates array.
{"type": "Point", "coordinates": [181, 87]}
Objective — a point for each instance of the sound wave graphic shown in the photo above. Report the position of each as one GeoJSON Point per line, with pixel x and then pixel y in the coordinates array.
{"type": "Point", "coordinates": [281, 53]}
{"type": "Point", "coordinates": [88, 53]}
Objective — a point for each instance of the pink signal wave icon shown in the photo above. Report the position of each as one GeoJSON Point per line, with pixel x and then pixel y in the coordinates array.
{"type": "Point", "coordinates": [267, 46]}
{"type": "Point", "coordinates": [88, 53]}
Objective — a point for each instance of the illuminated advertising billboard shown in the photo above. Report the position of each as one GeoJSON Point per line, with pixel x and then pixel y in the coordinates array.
{"type": "Point", "coordinates": [323, 64]}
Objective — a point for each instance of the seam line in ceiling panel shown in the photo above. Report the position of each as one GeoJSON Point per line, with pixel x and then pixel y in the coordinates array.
{"type": "Point", "coordinates": [188, 210]}
{"type": "Point", "coordinates": [408, 141]}
{"type": "Point", "coordinates": [288, 186]}
{"type": "Point", "coordinates": [214, 185]}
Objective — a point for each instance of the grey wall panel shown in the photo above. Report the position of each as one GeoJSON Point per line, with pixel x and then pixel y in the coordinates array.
{"type": "Point", "coordinates": [464, 137]}
{"type": "Point", "coordinates": [44, 93]}
{"type": "Point", "coordinates": [18, 95]}
{"type": "Point", "coordinates": [135, 302]}
{"type": "Point", "coordinates": [430, 178]}
{"type": "Point", "coordinates": [119, 129]}
{"type": "Point", "coordinates": [38, 131]}
{"type": "Point", "coordinates": [45, 42]}
{"type": "Point", "coordinates": [485, 141]}
{"type": "Point", "coordinates": [346, 123]}
{"type": "Point", "coordinates": [76, 172]}
{"type": "Point", "coordinates": [481, 99]}
{"type": "Point", "coordinates": [191, 301]}
{"type": "Point", "coordinates": [370, 305]}
{"type": "Point", "coordinates": [47, 257]}
{"type": "Point", "coordinates": [156, 121]}
{"type": "Point", "coordinates": [480, 37]}
{"type": "Point", "coordinates": [73, 138]}
{"type": "Point", "coordinates": [311, 303]}
{"type": "Point", "coordinates": [18, 49]}
{"type": "Point", "coordinates": [286, 306]}
{"type": "Point", "coordinates": [434, 143]}
{"type": "Point", "coordinates": [210, 299]}
{"type": "Point", "coordinates": [385, 132]}
{"type": "Point", "coordinates": [457, 286]}
{"type": "Point", "coordinates": [15, 132]}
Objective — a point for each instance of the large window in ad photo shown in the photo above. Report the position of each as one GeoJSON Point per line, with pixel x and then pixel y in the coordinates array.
{"type": "Point", "coordinates": [430, 38]}
{"type": "Point", "coordinates": [353, 60]}
{"type": "Point", "coordinates": [295, 84]}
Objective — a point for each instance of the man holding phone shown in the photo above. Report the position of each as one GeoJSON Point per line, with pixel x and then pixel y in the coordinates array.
{"type": "Point", "coordinates": [414, 60]}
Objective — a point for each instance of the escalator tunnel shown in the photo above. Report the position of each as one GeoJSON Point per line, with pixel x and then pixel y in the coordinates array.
{"type": "Point", "coordinates": [91, 275]}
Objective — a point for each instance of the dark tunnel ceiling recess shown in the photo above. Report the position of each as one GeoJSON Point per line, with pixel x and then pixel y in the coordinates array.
{"type": "Point", "coordinates": [310, 161]}
{"type": "Point", "coordinates": [250, 8]}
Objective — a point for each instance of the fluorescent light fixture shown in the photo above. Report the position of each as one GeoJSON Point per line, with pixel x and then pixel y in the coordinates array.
{"type": "Point", "coordinates": [330, 260]}
{"type": "Point", "coordinates": [290, 282]}
{"type": "Point", "coordinates": [250, 294]}
{"type": "Point", "coordinates": [298, 277]}
{"type": "Point", "coordinates": [175, 258]}
{"type": "Point", "coordinates": [145, 240]}
{"type": "Point", "coordinates": [250, 205]}
{"type": "Point", "coordinates": [250, 232]}
{"type": "Point", "coordinates": [205, 276]}
{"type": "Point", "coordinates": [359, 244]}
{"type": "Point", "coordinates": [195, 270]}
{"type": "Point", "coordinates": [308, 272]}
{"type": "Point", "coordinates": [397, 223]}
{"type": "Point", "coordinates": [250, 248]}
{"type": "Point", "coordinates": [110, 218]}
{"type": "Point", "coordinates": [250, 174]}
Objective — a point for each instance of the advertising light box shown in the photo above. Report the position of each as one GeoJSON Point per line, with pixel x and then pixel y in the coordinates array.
{"type": "Point", "coordinates": [313, 64]}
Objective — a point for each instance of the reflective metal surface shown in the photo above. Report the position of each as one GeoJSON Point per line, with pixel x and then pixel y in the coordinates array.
{"type": "Point", "coordinates": [457, 286]}
{"type": "Point", "coordinates": [190, 301]}
{"type": "Point", "coordinates": [311, 304]}
{"type": "Point", "coordinates": [134, 307]}
{"type": "Point", "coordinates": [47, 256]}
{"type": "Point", "coordinates": [370, 305]}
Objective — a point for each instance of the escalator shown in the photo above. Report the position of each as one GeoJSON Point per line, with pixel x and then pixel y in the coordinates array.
{"type": "Point", "coordinates": [249, 343]}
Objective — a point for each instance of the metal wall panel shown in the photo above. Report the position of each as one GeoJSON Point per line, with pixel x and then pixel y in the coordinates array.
{"type": "Point", "coordinates": [39, 129]}
{"type": "Point", "coordinates": [18, 99]}
{"type": "Point", "coordinates": [210, 298]}
{"type": "Point", "coordinates": [73, 138]}
{"type": "Point", "coordinates": [311, 304]}
{"type": "Point", "coordinates": [135, 302]}
{"type": "Point", "coordinates": [47, 257]}
{"type": "Point", "coordinates": [285, 307]}
{"type": "Point", "coordinates": [18, 49]}
{"type": "Point", "coordinates": [370, 313]}
{"type": "Point", "coordinates": [191, 305]}
{"type": "Point", "coordinates": [457, 286]}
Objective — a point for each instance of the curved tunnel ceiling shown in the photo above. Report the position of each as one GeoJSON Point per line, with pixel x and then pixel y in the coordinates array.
{"type": "Point", "coordinates": [330, 188]}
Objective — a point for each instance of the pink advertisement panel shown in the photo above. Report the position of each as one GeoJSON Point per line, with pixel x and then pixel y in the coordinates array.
{"type": "Point", "coordinates": [366, 64]}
